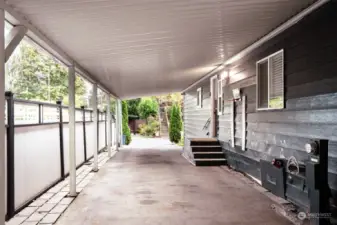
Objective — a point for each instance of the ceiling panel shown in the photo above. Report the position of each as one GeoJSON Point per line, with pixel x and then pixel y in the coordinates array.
{"type": "Point", "coordinates": [145, 47]}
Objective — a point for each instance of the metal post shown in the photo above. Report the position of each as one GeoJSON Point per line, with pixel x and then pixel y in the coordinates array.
{"type": "Point", "coordinates": [84, 135]}
{"type": "Point", "coordinates": [106, 130]}
{"type": "Point", "coordinates": [108, 121]}
{"type": "Point", "coordinates": [95, 119]}
{"type": "Point", "coordinates": [2, 114]}
{"type": "Point", "coordinates": [116, 125]}
{"type": "Point", "coordinates": [72, 149]}
{"type": "Point", "coordinates": [10, 156]}
{"type": "Point", "coordinates": [98, 119]}
{"type": "Point", "coordinates": [61, 138]}
{"type": "Point", "coordinates": [40, 113]}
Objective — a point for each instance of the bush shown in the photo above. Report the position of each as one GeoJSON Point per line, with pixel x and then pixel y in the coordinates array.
{"type": "Point", "coordinates": [150, 129]}
{"type": "Point", "coordinates": [125, 125]}
{"type": "Point", "coordinates": [175, 124]}
{"type": "Point", "coordinates": [148, 107]}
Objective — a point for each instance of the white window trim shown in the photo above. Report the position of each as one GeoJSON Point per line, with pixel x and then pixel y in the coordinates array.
{"type": "Point", "coordinates": [257, 81]}
{"type": "Point", "coordinates": [220, 97]}
{"type": "Point", "coordinates": [199, 95]}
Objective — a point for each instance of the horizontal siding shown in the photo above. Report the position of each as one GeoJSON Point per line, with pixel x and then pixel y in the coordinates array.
{"type": "Point", "coordinates": [310, 56]}
{"type": "Point", "coordinates": [195, 117]}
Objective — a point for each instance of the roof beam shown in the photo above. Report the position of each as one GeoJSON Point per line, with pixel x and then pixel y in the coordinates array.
{"type": "Point", "coordinates": [41, 39]}
{"type": "Point", "coordinates": [13, 39]}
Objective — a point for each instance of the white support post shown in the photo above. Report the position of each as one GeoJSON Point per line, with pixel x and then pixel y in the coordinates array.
{"type": "Point", "coordinates": [109, 126]}
{"type": "Point", "coordinates": [2, 115]}
{"type": "Point", "coordinates": [233, 124]}
{"type": "Point", "coordinates": [117, 125]}
{"type": "Point", "coordinates": [13, 39]}
{"type": "Point", "coordinates": [95, 120]}
{"type": "Point", "coordinates": [243, 143]}
{"type": "Point", "coordinates": [72, 148]}
{"type": "Point", "coordinates": [120, 119]}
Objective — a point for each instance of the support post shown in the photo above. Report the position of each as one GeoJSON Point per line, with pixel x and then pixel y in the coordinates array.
{"type": "Point", "coordinates": [61, 138]}
{"type": "Point", "coordinates": [10, 156]}
{"type": "Point", "coordinates": [117, 125]}
{"type": "Point", "coordinates": [106, 129]}
{"type": "Point", "coordinates": [108, 121]}
{"type": "Point", "coordinates": [95, 119]}
{"type": "Point", "coordinates": [84, 135]}
{"type": "Point", "coordinates": [72, 148]}
{"type": "Point", "coordinates": [98, 119]}
{"type": "Point", "coordinates": [13, 39]}
{"type": "Point", "coordinates": [2, 114]}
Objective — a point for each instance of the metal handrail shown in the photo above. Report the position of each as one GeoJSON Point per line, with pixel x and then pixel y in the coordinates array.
{"type": "Point", "coordinates": [208, 122]}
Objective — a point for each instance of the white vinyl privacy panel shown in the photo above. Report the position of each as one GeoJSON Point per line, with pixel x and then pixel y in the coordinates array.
{"type": "Point", "coordinates": [79, 145]}
{"type": "Point", "coordinates": [146, 47]}
{"type": "Point", "coordinates": [37, 160]}
{"type": "Point", "coordinates": [102, 136]}
{"type": "Point", "coordinates": [90, 134]}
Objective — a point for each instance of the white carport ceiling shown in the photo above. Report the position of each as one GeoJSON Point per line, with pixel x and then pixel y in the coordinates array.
{"type": "Point", "coordinates": [145, 47]}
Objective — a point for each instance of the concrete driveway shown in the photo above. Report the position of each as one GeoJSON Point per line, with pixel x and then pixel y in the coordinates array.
{"type": "Point", "coordinates": [150, 183]}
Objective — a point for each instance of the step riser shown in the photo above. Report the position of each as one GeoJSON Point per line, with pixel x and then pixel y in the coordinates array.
{"type": "Point", "coordinates": [210, 163]}
{"type": "Point", "coordinates": [209, 156]}
{"type": "Point", "coordinates": [204, 143]}
{"type": "Point", "coordinates": [198, 149]}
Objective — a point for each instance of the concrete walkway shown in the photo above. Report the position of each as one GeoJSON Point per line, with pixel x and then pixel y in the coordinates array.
{"type": "Point", "coordinates": [150, 183]}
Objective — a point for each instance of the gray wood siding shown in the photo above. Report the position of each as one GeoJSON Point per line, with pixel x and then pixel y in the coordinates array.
{"type": "Point", "coordinates": [195, 117]}
{"type": "Point", "coordinates": [310, 58]}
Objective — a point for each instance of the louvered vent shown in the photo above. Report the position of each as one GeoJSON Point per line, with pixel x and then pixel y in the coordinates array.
{"type": "Point", "coordinates": [270, 82]}
{"type": "Point", "coordinates": [276, 81]}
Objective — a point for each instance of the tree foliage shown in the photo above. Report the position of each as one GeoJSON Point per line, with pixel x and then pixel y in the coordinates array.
{"type": "Point", "coordinates": [33, 75]}
{"type": "Point", "coordinates": [133, 106]}
{"type": "Point", "coordinates": [125, 125]}
{"type": "Point", "coordinates": [148, 107]}
{"type": "Point", "coordinates": [175, 124]}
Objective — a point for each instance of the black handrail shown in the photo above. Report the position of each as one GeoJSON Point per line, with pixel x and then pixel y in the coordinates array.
{"type": "Point", "coordinates": [208, 122]}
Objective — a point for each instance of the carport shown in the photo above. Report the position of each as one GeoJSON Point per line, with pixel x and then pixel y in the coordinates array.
{"type": "Point", "coordinates": [136, 48]}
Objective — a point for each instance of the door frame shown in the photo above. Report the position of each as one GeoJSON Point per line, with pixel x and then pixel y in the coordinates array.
{"type": "Point", "coordinates": [214, 111]}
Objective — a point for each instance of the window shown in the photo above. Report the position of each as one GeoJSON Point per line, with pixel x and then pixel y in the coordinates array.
{"type": "Point", "coordinates": [199, 97]}
{"type": "Point", "coordinates": [220, 97]}
{"type": "Point", "coordinates": [270, 82]}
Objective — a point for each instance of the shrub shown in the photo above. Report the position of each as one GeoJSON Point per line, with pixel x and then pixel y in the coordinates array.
{"type": "Point", "coordinates": [125, 125]}
{"type": "Point", "coordinates": [175, 124]}
{"type": "Point", "coordinates": [148, 107]}
{"type": "Point", "coordinates": [150, 129]}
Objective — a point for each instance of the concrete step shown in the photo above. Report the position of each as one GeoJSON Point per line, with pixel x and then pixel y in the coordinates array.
{"type": "Point", "coordinates": [210, 148]}
{"type": "Point", "coordinates": [210, 162]}
{"type": "Point", "coordinates": [208, 155]}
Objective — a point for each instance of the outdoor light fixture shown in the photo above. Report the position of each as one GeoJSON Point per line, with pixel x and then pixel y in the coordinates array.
{"type": "Point", "coordinates": [311, 148]}
{"type": "Point", "coordinates": [224, 74]}
{"type": "Point", "coordinates": [236, 94]}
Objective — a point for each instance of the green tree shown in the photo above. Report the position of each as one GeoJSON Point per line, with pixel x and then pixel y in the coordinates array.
{"type": "Point", "coordinates": [175, 124]}
{"type": "Point", "coordinates": [133, 106]}
{"type": "Point", "coordinates": [33, 75]}
{"type": "Point", "coordinates": [148, 107]}
{"type": "Point", "coordinates": [125, 125]}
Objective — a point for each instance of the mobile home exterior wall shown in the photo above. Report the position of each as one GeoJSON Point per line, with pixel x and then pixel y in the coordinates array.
{"type": "Point", "coordinates": [310, 96]}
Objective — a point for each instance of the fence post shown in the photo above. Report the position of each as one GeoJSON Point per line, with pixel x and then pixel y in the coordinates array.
{"type": "Point", "coordinates": [106, 131]}
{"type": "Point", "coordinates": [98, 118]}
{"type": "Point", "coordinates": [84, 135]}
{"type": "Point", "coordinates": [10, 156]}
{"type": "Point", "coordinates": [61, 138]}
{"type": "Point", "coordinates": [40, 113]}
